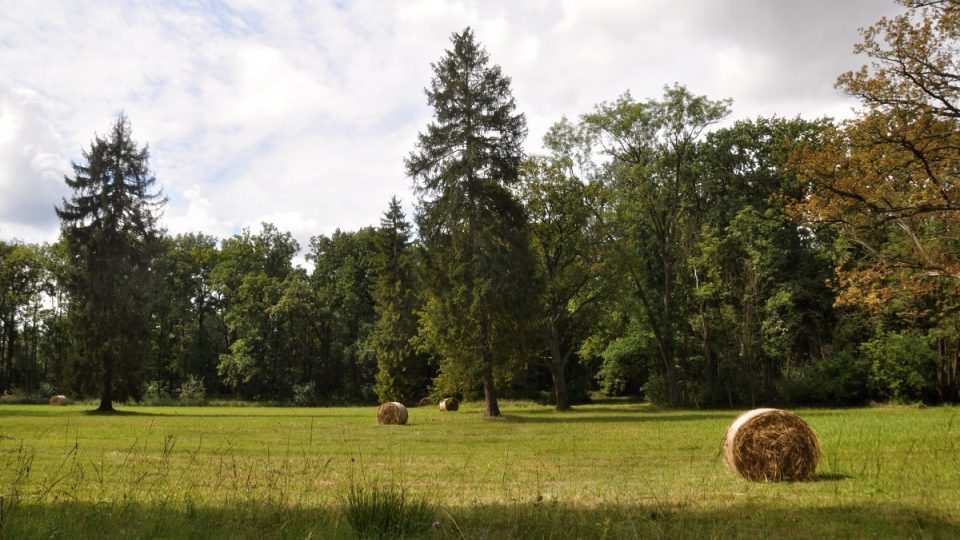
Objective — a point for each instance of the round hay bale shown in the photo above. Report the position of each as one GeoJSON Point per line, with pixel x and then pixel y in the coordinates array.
{"type": "Point", "coordinates": [392, 412]}
{"type": "Point", "coordinates": [449, 404]}
{"type": "Point", "coordinates": [771, 445]}
{"type": "Point", "coordinates": [425, 402]}
{"type": "Point", "coordinates": [58, 400]}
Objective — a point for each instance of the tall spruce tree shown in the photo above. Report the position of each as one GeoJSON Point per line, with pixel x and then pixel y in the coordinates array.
{"type": "Point", "coordinates": [476, 259]}
{"type": "Point", "coordinates": [109, 226]}
{"type": "Point", "coordinates": [402, 372]}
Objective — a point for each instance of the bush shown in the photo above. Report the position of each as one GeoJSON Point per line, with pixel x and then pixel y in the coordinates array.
{"type": "Point", "coordinates": [40, 395]}
{"type": "Point", "coordinates": [902, 367]}
{"type": "Point", "coordinates": [192, 391]}
{"type": "Point", "coordinates": [623, 366]}
{"type": "Point", "coordinates": [155, 394]}
{"type": "Point", "coordinates": [304, 395]}
{"type": "Point", "coordinates": [840, 379]}
{"type": "Point", "coordinates": [655, 390]}
{"type": "Point", "coordinates": [387, 512]}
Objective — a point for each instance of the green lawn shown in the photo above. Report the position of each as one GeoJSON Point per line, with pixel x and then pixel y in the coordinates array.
{"type": "Point", "coordinates": [609, 470]}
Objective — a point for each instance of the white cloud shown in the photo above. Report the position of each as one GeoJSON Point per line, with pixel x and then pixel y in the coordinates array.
{"type": "Point", "coordinates": [301, 114]}
{"type": "Point", "coordinates": [31, 167]}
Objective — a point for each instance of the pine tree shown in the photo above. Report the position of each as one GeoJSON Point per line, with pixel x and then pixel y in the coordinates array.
{"type": "Point", "coordinates": [476, 259]}
{"type": "Point", "coordinates": [110, 229]}
{"type": "Point", "coordinates": [402, 372]}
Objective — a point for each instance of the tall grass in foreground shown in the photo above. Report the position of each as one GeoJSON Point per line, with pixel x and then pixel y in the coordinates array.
{"type": "Point", "coordinates": [610, 470]}
{"type": "Point", "coordinates": [383, 511]}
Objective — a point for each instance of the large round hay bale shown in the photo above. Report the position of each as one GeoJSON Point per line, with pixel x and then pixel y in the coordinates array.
{"type": "Point", "coordinates": [449, 404]}
{"type": "Point", "coordinates": [392, 412]}
{"type": "Point", "coordinates": [425, 402]}
{"type": "Point", "coordinates": [771, 445]}
{"type": "Point", "coordinates": [58, 400]}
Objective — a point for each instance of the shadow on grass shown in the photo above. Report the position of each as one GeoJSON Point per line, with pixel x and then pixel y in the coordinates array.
{"type": "Point", "coordinates": [540, 519]}
{"type": "Point", "coordinates": [831, 477]}
{"type": "Point", "coordinates": [96, 412]}
{"type": "Point", "coordinates": [75, 410]}
{"type": "Point", "coordinates": [603, 417]}
{"type": "Point", "coordinates": [240, 416]}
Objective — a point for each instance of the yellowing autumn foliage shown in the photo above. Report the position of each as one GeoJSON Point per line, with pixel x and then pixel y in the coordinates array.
{"type": "Point", "coordinates": [889, 177]}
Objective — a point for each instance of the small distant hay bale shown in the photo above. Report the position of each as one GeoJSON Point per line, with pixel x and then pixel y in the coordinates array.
{"type": "Point", "coordinates": [392, 412]}
{"type": "Point", "coordinates": [425, 402]}
{"type": "Point", "coordinates": [449, 404]}
{"type": "Point", "coordinates": [59, 399]}
{"type": "Point", "coordinates": [771, 445]}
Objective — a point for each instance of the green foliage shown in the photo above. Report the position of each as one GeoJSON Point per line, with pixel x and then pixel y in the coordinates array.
{"type": "Point", "coordinates": [624, 366]}
{"type": "Point", "coordinates": [154, 393]}
{"type": "Point", "coordinates": [343, 307]}
{"type": "Point", "coordinates": [650, 177]}
{"type": "Point", "coordinates": [109, 227]}
{"type": "Point", "coordinates": [237, 367]}
{"type": "Point", "coordinates": [24, 275]}
{"type": "Point", "coordinates": [902, 367]}
{"type": "Point", "coordinates": [838, 379]}
{"type": "Point", "coordinates": [192, 391]}
{"type": "Point", "coordinates": [402, 372]}
{"type": "Point", "coordinates": [305, 395]}
{"type": "Point", "coordinates": [386, 511]}
{"type": "Point", "coordinates": [568, 254]}
{"type": "Point", "coordinates": [190, 331]}
{"type": "Point", "coordinates": [645, 251]}
{"type": "Point", "coordinates": [253, 275]}
{"type": "Point", "coordinates": [476, 263]}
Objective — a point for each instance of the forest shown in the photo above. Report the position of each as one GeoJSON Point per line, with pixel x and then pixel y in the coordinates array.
{"type": "Point", "coordinates": [652, 249]}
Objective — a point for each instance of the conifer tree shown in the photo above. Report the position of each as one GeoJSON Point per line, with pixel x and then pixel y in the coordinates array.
{"type": "Point", "coordinates": [476, 260]}
{"type": "Point", "coordinates": [110, 228]}
{"type": "Point", "coordinates": [401, 370]}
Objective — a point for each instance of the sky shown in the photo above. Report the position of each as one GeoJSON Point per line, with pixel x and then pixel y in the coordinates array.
{"type": "Point", "coordinates": [301, 113]}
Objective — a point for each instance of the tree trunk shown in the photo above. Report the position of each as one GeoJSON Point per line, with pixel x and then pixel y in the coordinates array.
{"type": "Point", "coordinates": [106, 397]}
{"type": "Point", "coordinates": [490, 393]}
{"type": "Point", "coordinates": [560, 386]}
{"type": "Point", "coordinates": [669, 357]}
{"type": "Point", "coordinates": [12, 373]}
{"type": "Point", "coordinates": [673, 385]}
{"type": "Point", "coordinates": [558, 364]}
{"type": "Point", "coordinates": [705, 344]}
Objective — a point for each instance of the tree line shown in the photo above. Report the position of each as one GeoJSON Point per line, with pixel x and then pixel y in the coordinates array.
{"type": "Point", "coordinates": [649, 249]}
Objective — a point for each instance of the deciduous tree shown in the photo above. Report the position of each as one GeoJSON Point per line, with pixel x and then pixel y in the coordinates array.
{"type": "Point", "coordinates": [567, 250]}
{"type": "Point", "coordinates": [888, 177]}
{"type": "Point", "coordinates": [650, 179]}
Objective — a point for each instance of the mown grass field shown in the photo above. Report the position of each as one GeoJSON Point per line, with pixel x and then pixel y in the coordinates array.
{"type": "Point", "coordinates": [608, 470]}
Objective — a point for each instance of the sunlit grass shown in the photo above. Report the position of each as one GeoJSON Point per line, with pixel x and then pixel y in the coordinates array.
{"type": "Point", "coordinates": [616, 469]}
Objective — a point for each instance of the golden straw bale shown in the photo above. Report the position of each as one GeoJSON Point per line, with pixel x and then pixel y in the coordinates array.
{"type": "Point", "coordinates": [449, 404]}
{"type": "Point", "coordinates": [392, 412]}
{"type": "Point", "coordinates": [58, 400]}
{"type": "Point", "coordinates": [771, 445]}
{"type": "Point", "coordinates": [425, 402]}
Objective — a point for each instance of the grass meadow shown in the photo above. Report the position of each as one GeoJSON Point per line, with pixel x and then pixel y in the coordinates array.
{"type": "Point", "coordinates": [608, 470]}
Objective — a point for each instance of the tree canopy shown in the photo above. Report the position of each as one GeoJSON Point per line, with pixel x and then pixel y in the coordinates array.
{"type": "Point", "coordinates": [653, 248]}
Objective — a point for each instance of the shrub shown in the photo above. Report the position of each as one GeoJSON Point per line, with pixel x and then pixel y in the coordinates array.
{"type": "Point", "coordinates": [155, 394]}
{"type": "Point", "coordinates": [902, 367]}
{"type": "Point", "coordinates": [40, 395]}
{"type": "Point", "coordinates": [304, 395]}
{"type": "Point", "coordinates": [192, 391]}
{"type": "Point", "coordinates": [655, 390]}
{"type": "Point", "coordinates": [840, 379]}
{"type": "Point", "coordinates": [623, 366]}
